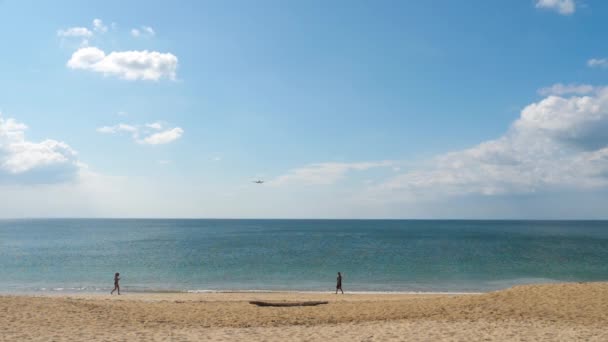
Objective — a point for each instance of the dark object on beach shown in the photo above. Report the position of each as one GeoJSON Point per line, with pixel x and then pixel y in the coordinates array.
{"type": "Point", "coordinates": [339, 283]}
{"type": "Point", "coordinates": [258, 303]}
{"type": "Point", "coordinates": [116, 285]}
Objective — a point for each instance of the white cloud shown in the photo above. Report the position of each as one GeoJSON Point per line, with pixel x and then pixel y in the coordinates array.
{"type": "Point", "coordinates": [155, 125]}
{"type": "Point", "coordinates": [75, 32]}
{"type": "Point", "coordinates": [148, 30]}
{"type": "Point", "coordinates": [598, 63]}
{"type": "Point", "coordinates": [84, 32]}
{"type": "Point", "coordinates": [557, 143]}
{"type": "Point", "coordinates": [149, 138]}
{"type": "Point", "coordinates": [128, 65]}
{"type": "Point", "coordinates": [144, 31]}
{"type": "Point", "coordinates": [566, 89]}
{"type": "Point", "coordinates": [578, 119]}
{"type": "Point", "coordinates": [564, 7]}
{"type": "Point", "coordinates": [23, 161]}
{"type": "Point", "coordinates": [325, 173]}
{"type": "Point", "coordinates": [163, 137]}
{"type": "Point", "coordinates": [99, 26]}
{"type": "Point", "coordinates": [117, 129]}
{"type": "Point", "coordinates": [85, 58]}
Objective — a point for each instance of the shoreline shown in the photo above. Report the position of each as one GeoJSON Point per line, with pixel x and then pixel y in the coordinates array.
{"type": "Point", "coordinates": [102, 293]}
{"type": "Point", "coordinates": [480, 288]}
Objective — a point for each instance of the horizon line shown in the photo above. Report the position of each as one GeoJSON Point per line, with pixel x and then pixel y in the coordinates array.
{"type": "Point", "coordinates": [298, 219]}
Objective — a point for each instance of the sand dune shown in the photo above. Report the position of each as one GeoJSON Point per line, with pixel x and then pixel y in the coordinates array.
{"type": "Point", "coordinates": [530, 313]}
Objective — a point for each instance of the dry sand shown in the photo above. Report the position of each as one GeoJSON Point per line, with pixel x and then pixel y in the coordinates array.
{"type": "Point", "coordinates": [561, 312]}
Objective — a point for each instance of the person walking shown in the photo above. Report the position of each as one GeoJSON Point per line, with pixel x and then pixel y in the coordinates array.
{"type": "Point", "coordinates": [116, 285]}
{"type": "Point", "coordinates": [339, 283]}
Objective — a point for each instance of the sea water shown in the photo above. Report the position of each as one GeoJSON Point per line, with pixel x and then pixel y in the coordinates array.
{"type": "Point", "coordinates": [74, 255]}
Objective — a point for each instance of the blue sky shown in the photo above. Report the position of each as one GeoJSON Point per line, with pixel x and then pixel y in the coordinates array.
{"type": "Point", "coordinates": [411, 109]}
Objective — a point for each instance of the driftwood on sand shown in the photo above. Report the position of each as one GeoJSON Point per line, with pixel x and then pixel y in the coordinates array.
{"type": "Point", "coordinates": [310, 303]}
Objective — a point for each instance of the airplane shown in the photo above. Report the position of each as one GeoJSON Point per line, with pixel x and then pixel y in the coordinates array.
{"type": "Point", "coordinates": [259, 181]}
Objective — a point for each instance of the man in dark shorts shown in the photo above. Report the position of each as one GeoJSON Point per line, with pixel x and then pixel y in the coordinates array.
{"type": "Point", "coordinates": [339, 283]}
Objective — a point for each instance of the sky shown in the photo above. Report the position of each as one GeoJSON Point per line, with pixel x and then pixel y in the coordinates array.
{"type": "Point", "coordinates": [345, 109]}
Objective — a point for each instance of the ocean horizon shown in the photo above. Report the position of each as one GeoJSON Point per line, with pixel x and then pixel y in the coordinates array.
{"type": "Point", "coordinates": [225, 255]}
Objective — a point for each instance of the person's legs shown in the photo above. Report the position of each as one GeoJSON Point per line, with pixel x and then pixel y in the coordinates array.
{"type": "Point", "coordinates": [113, 290]}
{"type": "Point", "coordinates": [118, 288]}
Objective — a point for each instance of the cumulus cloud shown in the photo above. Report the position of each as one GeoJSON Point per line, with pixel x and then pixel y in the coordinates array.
{"type": "Point", "coordinates": [24, 161]}
{"type": "Point", "coordinates": [75, 32]}
{"type": "Point", "coordinates": [84, 33]}
{"type": "Point", "coordinates": [144, 31]}
{"type": "Point", "coordinates": [564, 7]}
{"type": "Point", "coordinates": [557, 143]}
{"type": "Point", "coordinates": [117, 129]}
{"type": "Point", "coordinates": [163, 137]}
{"type": "Point", "coordinates": [325, 173]}
{"type": "Point", "coordinates": [128, 65]}
{"type": "Point", "coordinates": [99, 26]}
{"type": "Point", "coordinates": [155, 125]}
{"type": "Point", "coordinates": [148, 30]}
{"type": "Point", "coordinates": [598, 63]}
{"type": "Point", "coordinates": [566, 89]}
{"type": "Point", "coordinates": [147, 134]}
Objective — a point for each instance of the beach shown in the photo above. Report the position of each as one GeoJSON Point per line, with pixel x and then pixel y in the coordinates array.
{"type": "Point", "coordinates": [551, 312]}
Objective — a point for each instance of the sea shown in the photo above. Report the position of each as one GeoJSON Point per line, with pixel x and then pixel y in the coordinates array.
{"type": "Point", "coordinates": [208, 255]}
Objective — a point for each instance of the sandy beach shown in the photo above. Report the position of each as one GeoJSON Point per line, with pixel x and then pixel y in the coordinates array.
{"type": "Point", "coordinates": [557, 312]}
